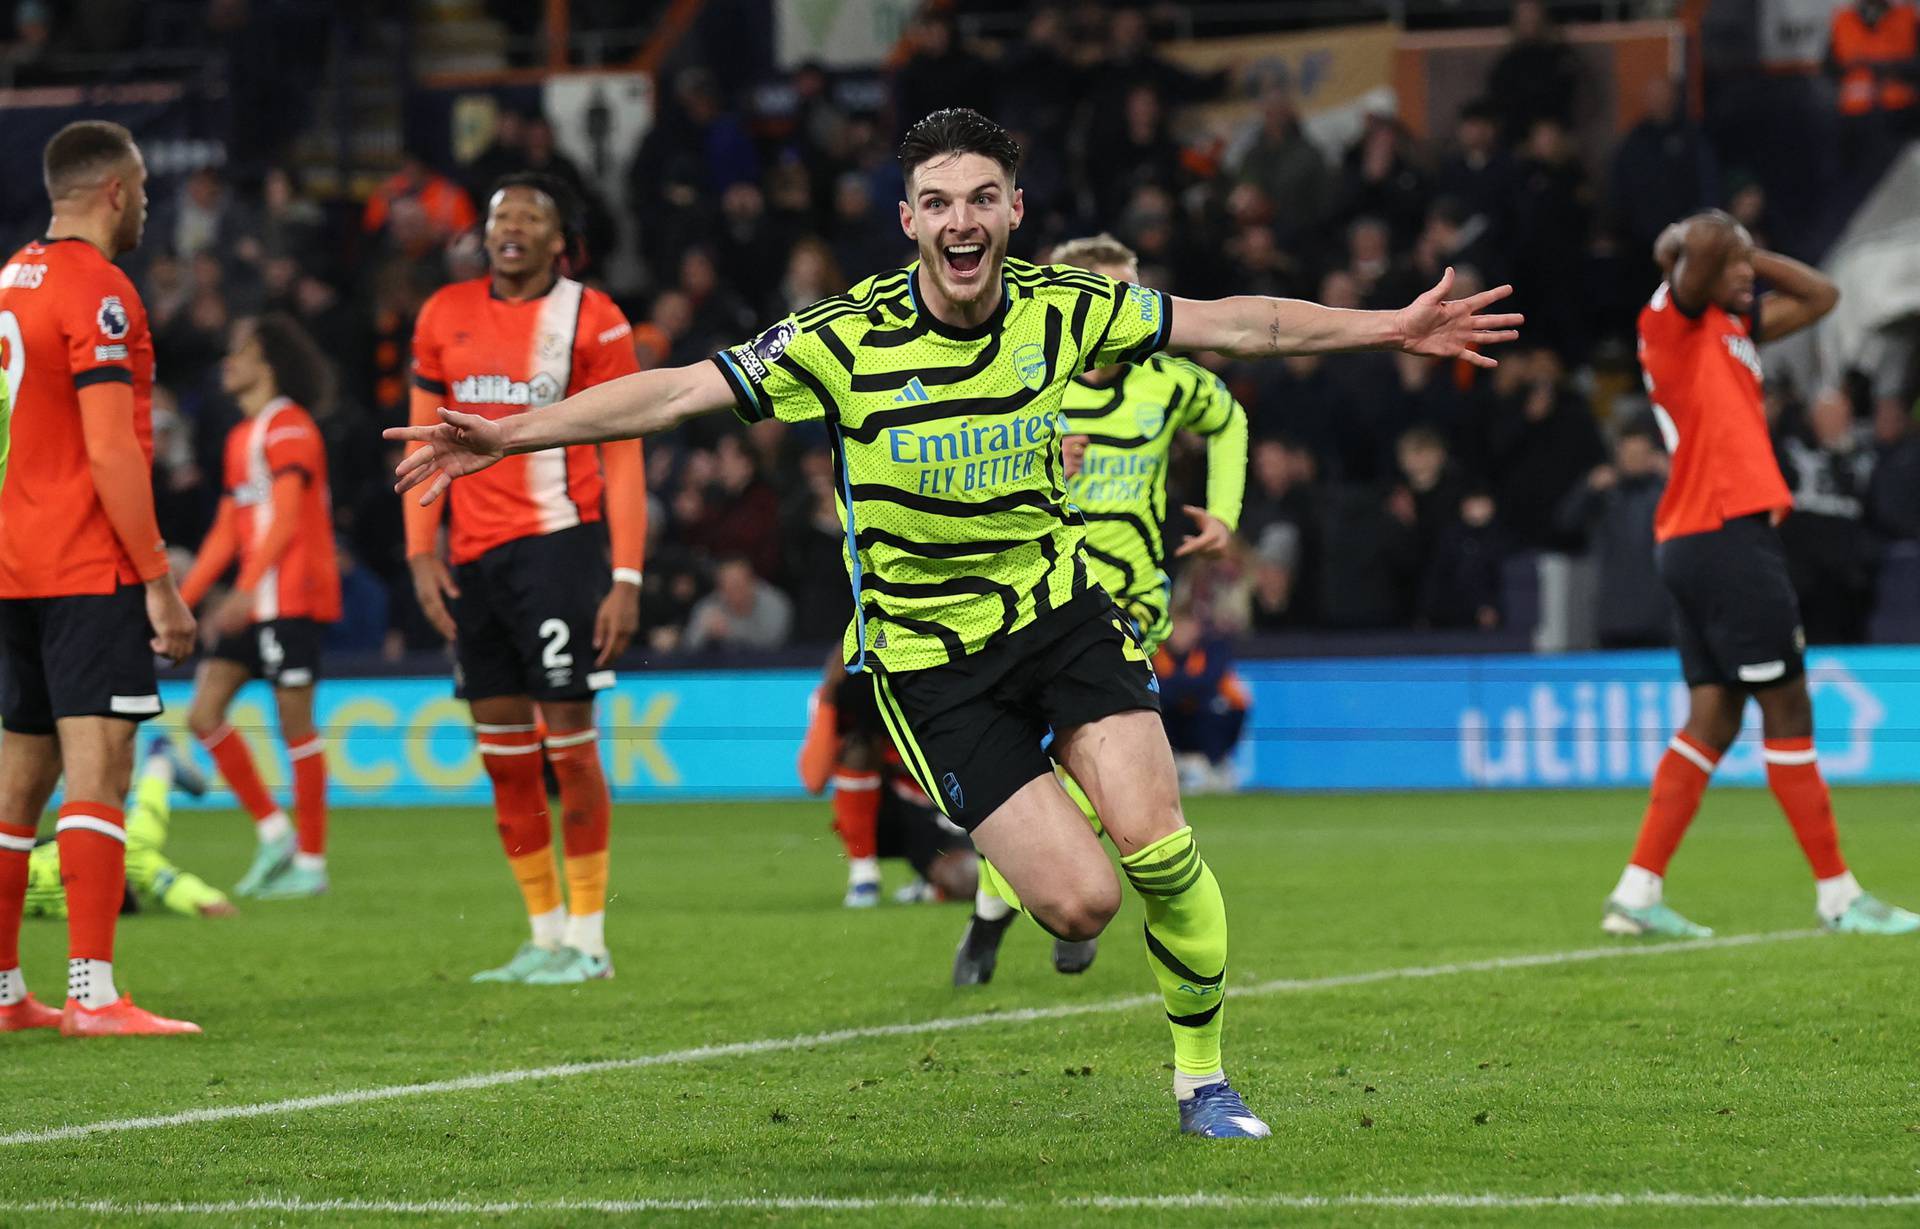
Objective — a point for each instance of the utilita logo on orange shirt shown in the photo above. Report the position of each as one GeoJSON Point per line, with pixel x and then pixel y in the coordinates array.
{"type": "Point", "coordinates": [543, 389]}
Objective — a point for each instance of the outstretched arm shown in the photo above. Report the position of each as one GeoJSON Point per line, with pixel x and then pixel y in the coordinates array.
{"type": "Point", "coordinates": [1254, 326]}
{"type": "Point", "coordinates": [1801, 295]}
{"type": "Point", "coordinates": [626, 408]}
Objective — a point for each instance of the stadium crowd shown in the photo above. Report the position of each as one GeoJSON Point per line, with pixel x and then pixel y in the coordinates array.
{"type": "Point", "coordinates": [1385, 491]}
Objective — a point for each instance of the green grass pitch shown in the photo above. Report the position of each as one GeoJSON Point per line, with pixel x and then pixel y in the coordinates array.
{"type": "Point", "coordinates": [1778, 1068]}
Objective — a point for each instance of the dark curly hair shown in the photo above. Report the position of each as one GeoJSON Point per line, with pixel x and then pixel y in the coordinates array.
{"type": "Point", "coordinates": [300, 371]}
{"type": "Point", "coordinates": [957, 130]}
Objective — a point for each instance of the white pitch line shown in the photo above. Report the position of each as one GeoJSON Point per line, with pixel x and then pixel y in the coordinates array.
{"type": "Point", "coordinates": [1440, 1201]}
{"type": "Point", "coordinates": [808, 1041]}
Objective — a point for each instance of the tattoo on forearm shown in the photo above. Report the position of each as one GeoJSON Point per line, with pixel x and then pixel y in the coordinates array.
{"type": "Point", "coordinates": [1273, 331]}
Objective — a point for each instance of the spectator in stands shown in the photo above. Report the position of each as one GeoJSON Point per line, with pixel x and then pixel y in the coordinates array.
{"type": "Point", "coordinates": [1430, 489]}
{"type": "Point", "coordinates": [1280, 524]}
{"type": "Point", "coordinates": [740, 513]}
{"type": "Point", "coordinates": [1895, 492]}
{"type": "Point", "coordinates": [1461, 587]}
{"type": "Point", "coordinates": [1537, 77]}
{"type": "Point", "coordinates": [598, 235]}
{"type": "Point", "coordinates": [1663, 169]}
{"type": "Point", "coordinates": [1130, 60]}
{"type": "Point", "coordinates": [742, 612]}
{"type": "Point", "coordinates": [444, 208]}
{"type": "Point", "coordinates": [1369, 255]}
{"type": "Point", "coordinates": [182, 502]}
{"type": "Point", "coordinates": [1040, 79]}
{"type": "Point", "coordinates": [720, 316]}
{"type": "Point", "coordinates": [1552, 235]}
{"type": "Point", "coordinates": [1613, 512]}
{"type": "Point", "coordinates": [747, 251]}
{"type": "Point", "coordinates": [1381, 179]}
{"type": "Point", "coordinates": [1481, 175]}
{"type": "Point", "coordinates": [1747, 202]}
{"type": "Point", "coordinates": [291, 226]}
{"type": "Point", "coordinates": [1873, 53]}
{"type": "Point", "coordinates": [939, 72]}
{"type": "Point", "coordinates": [860, 248]}
{"type": "Point", "coordinates": [811, 276]}
{"type": "Point", "coordinates": [1203, 703]}
{"type": "Point", "coordinates": [813, 554]}
{"type": "Point", "coordinates": [1428, 398]}
{"type": "Point", "coordinates": [1138, 151]}
{"type": "Point", "coordinates": [1833, 554]}
{"type": "Point", "coordinates": [695, 150]}
{"type": "Point", "coordinates": [1276, 156]}
{"type": "Point", "coordinates": [363, 626]}
{"type": "Point", "coordinates": [505, 154]}
{"type": "Point", "coordinates": [1442, 242]}
{"type": "Point", "coordinates": [1540, 441]}
{"type": "Point", "coordinates": [205, 217]}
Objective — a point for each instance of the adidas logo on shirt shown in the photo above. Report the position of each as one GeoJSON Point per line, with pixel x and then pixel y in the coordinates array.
{"type": "Point", "coordinates": [914, 391]}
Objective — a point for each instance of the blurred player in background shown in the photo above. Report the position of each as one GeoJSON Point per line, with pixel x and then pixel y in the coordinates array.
{"type": "Point", "coordinates": [151, 879]}
{"type": "Point", "coordinates": [1737, 622]}
{"type": "Point", "coordinates": [879, 811]}
{"type": "Point", "coordinates": [276, 522]}
{"type": "Point", "coordinates": [1123, 420]}
{"type": "Point", "coordinates": [86, 594]}
{"type": "Point", "coordinates": [534, 613]}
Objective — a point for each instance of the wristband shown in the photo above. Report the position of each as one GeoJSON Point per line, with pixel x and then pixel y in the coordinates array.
{"type": "Point", "coordinates": [629, 576]}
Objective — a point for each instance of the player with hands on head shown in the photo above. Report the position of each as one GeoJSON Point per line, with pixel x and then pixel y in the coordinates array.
{"type": "Point", "coordinates": [87, 597]}
{"type": "Point", "coordinates": [535, 608]}
{"type": "Point", "coordinates": [1737, 621]}
{"type": "Point", "coordinates": [940, 387]}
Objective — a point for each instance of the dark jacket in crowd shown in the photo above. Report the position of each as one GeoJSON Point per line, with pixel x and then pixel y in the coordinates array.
{"type": "Point", "coordinates": [1617, 524]}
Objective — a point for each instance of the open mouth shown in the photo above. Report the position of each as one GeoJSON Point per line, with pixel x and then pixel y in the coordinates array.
{"type": "Point", "coordinates": [513, 251]}
{"type": "Point", "coordinates": [963, 259]}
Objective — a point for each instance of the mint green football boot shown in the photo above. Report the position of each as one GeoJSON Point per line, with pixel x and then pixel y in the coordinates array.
{"type": "Point", "coordinates": [570, 966]}
{"type": "Point", "coordinates": [1657, 920]}
{"type": "Point", "coordinates": [269, 860]}
{"type": "Point", "coordinates": [294, 882]}
{"type": "Point", "coordinates": [1869, 915]}
{"type": "Point", "coordinates": [529, 958]}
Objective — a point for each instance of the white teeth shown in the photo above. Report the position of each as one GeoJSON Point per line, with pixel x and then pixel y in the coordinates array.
{"type": "Point", "coordinates": [965, 249]}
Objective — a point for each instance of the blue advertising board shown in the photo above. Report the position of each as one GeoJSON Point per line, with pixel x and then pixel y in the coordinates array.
{"type": "Point", "coordinates": [1582, 720]}
{"type": "Point", "coordinates": [1579, 720]}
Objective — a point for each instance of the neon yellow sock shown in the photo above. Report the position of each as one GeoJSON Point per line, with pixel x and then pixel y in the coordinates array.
{"type": "Point", "coordinates": [995, 884]}
{"type": "Point", "coordinates": [1080, 799]}
{"type": "Point", "coordinates": [1186, 944]}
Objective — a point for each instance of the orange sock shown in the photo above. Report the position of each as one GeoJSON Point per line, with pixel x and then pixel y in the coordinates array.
{"type": "Point", "coordinates": [1793, 774]}
{"type": "Point", "coordinates": [310, 794]}
{"type": "Point", "coordinates": [512, 758]}
{"type": "Point", "coordinates": [856, 812]}
{"type": "Point", "coordinates": [586, 818]}
{"type": "Point", "coordinates": [230, 755]}
{"type": "Point", "coordinates": [1678, 782]}
{"type": "Point", "coordinates": [16, 846]}
{"type": "Point", "coordinates": [93, 869]}
{"type": "Point", "coordinates": [821, 747]}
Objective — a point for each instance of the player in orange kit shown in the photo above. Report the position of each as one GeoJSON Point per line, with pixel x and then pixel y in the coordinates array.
{"type": "Point", "coordinates": [535, 615]}
{"type": "Point", "coordinates": [1736, 617]}
{"type": "Point", "coordinates": [86, 595]}
{"type": "Point", "coordinates": [276, 522]}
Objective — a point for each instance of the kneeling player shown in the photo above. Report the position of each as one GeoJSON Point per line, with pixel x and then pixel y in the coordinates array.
{"type": "Point", "coordinates": [151, 879]}
{"type": "Point", "coordinates": [879, 811]}
{"type": "Point", "coordinates": [1737, 620]}
{"type": "Point", "coordinates": [276, 521]}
